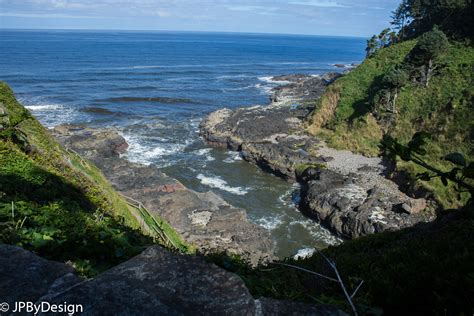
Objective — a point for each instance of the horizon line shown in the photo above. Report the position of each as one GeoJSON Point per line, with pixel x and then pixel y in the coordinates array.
{"type": "Point", "coordinates": [177, 31]}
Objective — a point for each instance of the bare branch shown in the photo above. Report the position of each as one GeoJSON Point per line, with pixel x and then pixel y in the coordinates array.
{"type": "Point", "coordinates": [306, 270]}
{"type": "Point", "coordinates": [357, 289]}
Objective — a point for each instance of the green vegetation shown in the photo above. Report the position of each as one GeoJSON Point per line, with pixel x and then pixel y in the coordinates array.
{"type": "Point", "coordinates": [415, 17]}
{"type": "Point", "coordinates": [359, 109]}
{"type": "Point", "coordinates": [419, 83]}
{"type": "Point", "coordinates": [60, 206]}
{"type": "Point", "coordinates": [461, 174]}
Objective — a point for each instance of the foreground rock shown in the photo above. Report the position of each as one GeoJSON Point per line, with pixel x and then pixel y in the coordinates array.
{"type": "Point", "coordinates": [153, 283]}
{"type": "Point", "coordinates": [202, 219]}
{"type": "Point", "coordinates": [352, 197]}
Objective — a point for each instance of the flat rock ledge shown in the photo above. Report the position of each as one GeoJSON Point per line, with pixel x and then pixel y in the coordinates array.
{"type": "Point", "coordinates": [351, 196]}
{"type": "Point", "coordinates": [155, 282]}
{"type": "Point", "coordinates": [204, 220]}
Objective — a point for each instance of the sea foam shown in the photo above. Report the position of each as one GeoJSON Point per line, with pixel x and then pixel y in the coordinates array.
{"type": "Point", "coordinates": [219, 183]}
{"type": "Point", "coordinates": [44, 107]}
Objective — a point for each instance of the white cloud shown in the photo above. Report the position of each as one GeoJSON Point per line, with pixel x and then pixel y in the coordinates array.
{"type": "Point", "coordinates": [49, 15]}
{"type": "Point", "coordinates": [64, 4]}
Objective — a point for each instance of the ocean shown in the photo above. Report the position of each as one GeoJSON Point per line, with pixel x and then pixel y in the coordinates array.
{"type": "Point", "coordinates": [155, 87]}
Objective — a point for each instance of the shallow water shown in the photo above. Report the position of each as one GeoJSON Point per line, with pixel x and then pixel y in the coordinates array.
{"type": "Point", "coordinates": [156, 87]}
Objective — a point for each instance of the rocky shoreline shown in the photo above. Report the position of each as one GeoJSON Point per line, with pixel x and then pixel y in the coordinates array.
{"type": "Point", "coordinates": [203, 220]}
{"type": "Point", "coordinates": [345, 192]}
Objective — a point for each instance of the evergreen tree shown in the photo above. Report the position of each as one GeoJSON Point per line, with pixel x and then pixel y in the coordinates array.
{"type": "Point", "coordinates": [400, 18]}
{"type": "Point", "coordinates": [429, 47]}
{"type": "Point", "coordinates": [371, 46]}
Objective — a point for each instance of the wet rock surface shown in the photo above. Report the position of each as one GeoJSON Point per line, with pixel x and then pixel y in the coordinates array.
{"type": "Point", "coordinates": [352, 198]}
{"type": "Point", "coordinates": [202, 219]}
{"type": "Point", "coordinates": [155, 282]}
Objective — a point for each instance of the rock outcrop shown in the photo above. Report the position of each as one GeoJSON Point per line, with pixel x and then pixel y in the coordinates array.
{"type": "Point", "coordinates": [271, 136]}
{"type": "Point", "coordinates": [351, 209]}
{"type": "Point", "coordinates": [153, 283]}
{"type": "Point", "coordinates": [204, 220]}
{"type": "Point", "coordinates": [352, 197]}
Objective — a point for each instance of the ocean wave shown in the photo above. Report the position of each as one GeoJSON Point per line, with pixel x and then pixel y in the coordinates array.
{"type": "Point", "coordinates": [269, 79]}
{"type": "Point", "coordinates": [146, 153]}
{"type": "Point", "coordinates": [264, 89]}
{"type": "Point", "coordinates": [206, 152]}
{"type": "Point", "coordinates": [49, 114]}
{"type": "Point", "coordinates": [291, 197]}
{"type": "Point", "coordinates": [233, 156]}
{"type": "Point", "coordinates": [137, 88]}
{"type": "Point", "coordinates": [238, 89]}
{"type": "Point", "coordinates": [44, 107]}
{"type": "Point", "coordinates": [218, 183]}
{"type": "Point", "coordinates": [165, 100]}
{"type": "Point", "coordinates": [269, 223]}
{"type": "Point", "coordinates": [316, 231]}
{"type": "Point", "coordinates": [304, 253]}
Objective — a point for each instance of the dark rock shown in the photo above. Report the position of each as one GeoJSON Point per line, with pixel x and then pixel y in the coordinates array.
{"type": "Point", "coordinates": [159, 282]}
{"type": "Point", "coordinates": [340, 203]}
{"type": "Point", "coordinates": [27, 277]}
{"type": "Point", "coordinates": [292, 77]}
{"type": "Point", "coordinates": [271, 136]}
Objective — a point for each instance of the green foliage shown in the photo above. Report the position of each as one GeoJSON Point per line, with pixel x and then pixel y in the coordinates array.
{"type": "Point", "coordinates": [395, 78]}
{"type": "Point", "coordinates": [400, 18]}
{"type": "Point", "coordinates": [453, 17]}
{"type": "Point", "coordinates": [443, 109]}
{"type": "Point", "coordinates": [43, 212]}
{"type": "Point", "coordinates": [63, 207]}
{"type": "Point", "coordinates": [429, 47]}
{"type": "Point", "coordinates": [376, 42]}
{"type": "Point", "coordinates": [461, 174]}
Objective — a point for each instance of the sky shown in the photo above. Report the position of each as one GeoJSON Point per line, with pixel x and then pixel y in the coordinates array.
{"type": "Point", "coordinates": [311, 17]}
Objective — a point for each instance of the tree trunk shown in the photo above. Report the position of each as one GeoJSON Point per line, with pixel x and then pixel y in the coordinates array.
{"type": "Point", "coordinates": [429, 72]}
{"type": "Point", "coordinates": [395, 96]}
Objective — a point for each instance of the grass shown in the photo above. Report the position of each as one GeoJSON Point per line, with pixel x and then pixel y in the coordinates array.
{"type": "Point", "coordinates": [63, 207]}
{"type": "Point", "coordinates": [343, 115]}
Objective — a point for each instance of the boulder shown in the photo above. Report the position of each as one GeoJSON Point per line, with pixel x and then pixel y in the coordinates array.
{"type": "Point", "coordinates": [346, 207]}
{"type": "Point", "coordinates": [159, 282]}
{"type": "Point", "coordinates": [26, 277]}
